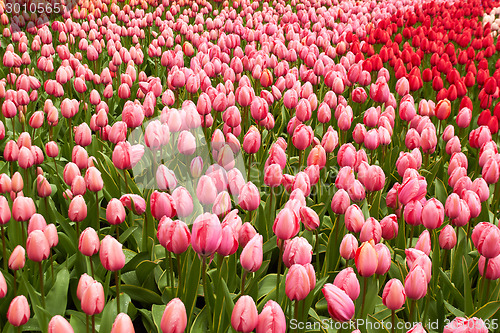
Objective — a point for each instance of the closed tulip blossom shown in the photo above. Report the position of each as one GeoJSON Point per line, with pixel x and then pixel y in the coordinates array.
{"type": "Point", "coordinates": [89, 243]}
{"type": "Point", "coordinates": [366, 259]}
{"type": "Point", "coordinates": [173, 235]}
{"type": "Point", "coordinates": [19, 311]}
{"type": "Point", "coordinates": [244, 317]}
{"type": "Point", "coordinates": [297, 284]}
{"type": "Point", "coordinates": [111, 254]}
{"type": "Point", "coordinates": [115, 212]}
{"type": "Point", "coordinates": [416, 283]}
{"type": "Point", "coordinates": [59, 324]}
{"type": "Point", "coordinates": [432, 214]}
{"type": "Point", "coordinates": [340, 305]}
{"type": "Point", "coordinates": [297, 251]}
{"type": "Point", "coordinates": [348, 282]}
{"type": "Point", "coordinates": [271, 319]}
{"type": "Point", "coordinates": [394, 295]}
{"type": "Point", "coordinates": [206, 234]}
{"type": "Point", "coordinates": [93, 298]}
{"type": "Point", "coordinates": [122, 324]}
{"type": "Point", "coordinates": [251, 257]}
{"type": "Point", "coordinates": [348, 247]}
{"type": "Point", "coordinates": [174, 319]}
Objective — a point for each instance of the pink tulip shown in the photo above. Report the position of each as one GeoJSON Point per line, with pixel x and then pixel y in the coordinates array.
{"type": "Point", "coordinates": [174, 319]}
{"type": "Point", "coordinates": [77, 210]}
{"type": "Point", "coordinates": [245, 316]}
{"type": "Point", "coordinates": [173, 235]}
{"type": "Point", "coordinates": [58, 324]}
{"type": "Point", "coordinates": [93, 298]}
{"type": "Point", "coordinates": [286, 225]}
{"type": "Point", "coordinates": [111, 254]}
{"type": "Point", "coordinates": [162, 204]}
{"type": "Point", "coordinates": [340, 305]}
{"type": "Point", "coordinates": [135, 203]}
{"type": "Point", "coordinates": [390, 227]}
{"type": "Point", "coordinates": [249, 197]}
{"type": "Point", "coordinates": [297, 284]}
{"type": "Point", "coordinates": [17, 258]}
{"type": "Point", "coordinates": [23, 208]}
{"type": "Point", "coordinates": [3, 286]}
{"type": "Point", "coordinates": [432, 214]}
{"type": "Point", "coordinates": [416, 283]}
{"type": "Point", "coordinates": [206, 191]}
{"type": "Point", "coordinates": [115, 212]}
{"type": "Point", "coordinates": [348, 247]}
{"type": "Point", "coordinates": [447, 238]}
{"type": "Point", "coordinates": [354, 218]}
{"type": "Point", "coordinates": [19, 311]}
{"type": "Point", "coordinates": [347, 281]}
{"type": "Point", "coordinates": [493, 270]}
{"type": "Point", "coordinates": [122, 324]}
{"type": "Point", "coordinates": [88, 243]}
{"type": "Point", "coordinates": [251, 256]}
{"type": "Point", "coordinates": [366, 259]}
{"type": "Point", "coordinates": [394, 295]}
{"type": "Point", "coordinates": [206, 234]}
{"type": "Point", "coordinates": [297, 251]}
{"type": "Point", "coordinates": [37, 246]}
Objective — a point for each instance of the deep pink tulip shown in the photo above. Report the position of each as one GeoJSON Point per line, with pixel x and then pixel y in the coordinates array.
{"type": "Point", "coordinates": [173, 235]}
{"type": "Point", "coordinates": [340, 305]}
{"type": "Point", "coordinates": [206, 234]}
{"type": "Point", "coordinates": [162, 204]}
{"type": "Point", "coordinates": [493, 270]}
{"type": "Point", "coordinates": [354, 218]}
{"type": "Point", "coordinates": [390, 227]}
{"type": "Point", "coordinates": [249, 197]}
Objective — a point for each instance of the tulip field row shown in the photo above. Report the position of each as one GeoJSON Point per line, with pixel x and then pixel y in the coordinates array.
{"type": "Point", "coordinates": [258, 166]}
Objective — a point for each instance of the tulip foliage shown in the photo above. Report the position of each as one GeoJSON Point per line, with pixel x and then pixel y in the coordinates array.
{"type": "Point", "coordinates": [239, 166]}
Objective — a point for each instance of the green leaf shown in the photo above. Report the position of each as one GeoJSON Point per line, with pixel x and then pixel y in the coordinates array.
{"type": "Point", "coordinates": [469, 304]}
{"type": "Point", "coordinates": [157, 312]}
{"type": "Point", "coordinates": [110, 312]}
{"type": "Point", "coordinates": [141, 294]}
{"type": "Point", "coordinates": [144, 268]}
{"type": "Point", "coordinates": [487, 310]}
{"type": "Point", "coordinates": [57, 297]}
{"type": "Point", "coordinates": [456, 312]}
{"type": "Point", "coordinates": [201, 322]}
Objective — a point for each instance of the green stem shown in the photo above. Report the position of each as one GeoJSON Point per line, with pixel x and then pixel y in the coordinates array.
{"type": "Point", "coordinates": [42, 292]}
{"type": "Point", "coordinates": [412, 308]}
{"type": "Point", "coordinates": [179, 272]}
{"type": "Point", "coordinates": [411, 236]}
{"type": "Point", "coordinates": [393, 321]}
{"type": "Point", "coordinates": [117, 281]}
{"type": "Point", "coordinates": [93, 324]}
{"type": "Point", "coordinates": [15, 283]}
{"type": "Point", "coordinates": [296, 313]}
{"type": "Point", "coordinates": [243, 277]}
{"type": "Point", "coordinates": [280, 246]}
{"type": "Point", "coordinates": [365, 280]}
{"type": "Point", "coordinates": [91, 266]}
{"type": "Point", "coordinates": [316, 249]}
{"type": "Point", "coordinates": [98, 223]}
{"type": "Point", "coordinates": [87, 322]}
{"type": "Point", "coordinates": [205, 289]}
{"type": "Point", "coordinates": [4, 249]}
{"type": "Point", "coordinates": [249, 166]}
